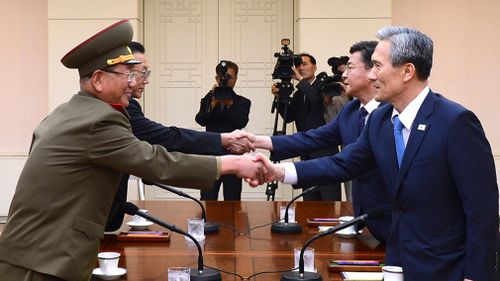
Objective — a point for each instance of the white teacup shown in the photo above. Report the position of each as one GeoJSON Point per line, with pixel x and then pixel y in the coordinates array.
{"type": "Point", "coordinates": [138, 220]}
{"type": "Point", "coordinates": [108, 262]}
{"type": "Point", "coordinates": [349, 229]}
{"type": "Point", "coordinates": [393, 273]}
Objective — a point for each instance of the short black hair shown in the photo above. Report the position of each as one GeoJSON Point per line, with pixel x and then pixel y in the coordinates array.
{"type": "Point", "coordinates": [230, 64]}
{"type": "Point", "coordinates": [366, 48]}
{"type": "Point", "coordinates": [311, 58]}
{"type": "Point", "coordinates": [136, 47]}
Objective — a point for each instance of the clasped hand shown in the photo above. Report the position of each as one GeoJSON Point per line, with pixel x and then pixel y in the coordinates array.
{"type": "Point", "coordinates": [257, 169]}
{"type": "Point", "coordinates": [237, 142]}
{"type": "Point", "coordinates": [269, 171]}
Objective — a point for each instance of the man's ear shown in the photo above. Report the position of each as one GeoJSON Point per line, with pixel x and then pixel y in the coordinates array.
{"type": "Point", "coordinates": [409, 71]}
{"type": "Point", "coordinates": [98, 80]}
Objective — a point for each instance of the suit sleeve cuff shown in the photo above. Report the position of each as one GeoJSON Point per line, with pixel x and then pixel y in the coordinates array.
{"type": "Point", "coordinates": [217, 176]}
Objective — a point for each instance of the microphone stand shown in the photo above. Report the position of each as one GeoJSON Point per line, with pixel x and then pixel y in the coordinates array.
{"type": "Point", "coordinates": [209, 227]}
{"type": "Point", "coordinates": [290, 227]}
{"type": "Point", "coordinates": [197, 274]}
{"type": "Point", "coordinates": [301, 275]}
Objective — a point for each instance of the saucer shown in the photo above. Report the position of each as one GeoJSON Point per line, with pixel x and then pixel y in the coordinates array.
{"type": "Point", "coordinates": [115, 275]}
{"type": "Point", "coordinates": [348, 234]}
{"type": "Point", "coordinates": [139, 226]}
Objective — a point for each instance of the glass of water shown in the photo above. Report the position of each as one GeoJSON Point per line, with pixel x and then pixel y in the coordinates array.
{"type": "Point", "coordinates": [179, 274]}
{"type": "Point", "coordinates": [291, 213]}
{"type": "Point", "coordinates": [308, 258]}
{"type": "Point", "coordinates": [196, 227]}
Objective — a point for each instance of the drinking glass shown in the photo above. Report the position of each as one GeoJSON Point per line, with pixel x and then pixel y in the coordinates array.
{"type": "Point", "coordinates": [308, 258]}
{"type": "Point", "coordinates": [179, 274]}
{"type": "Point", "coordinates": [196, 227]}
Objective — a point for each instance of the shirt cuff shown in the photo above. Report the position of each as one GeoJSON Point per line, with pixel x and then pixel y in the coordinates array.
{"type": "Point", "coordinates": [290, 173]}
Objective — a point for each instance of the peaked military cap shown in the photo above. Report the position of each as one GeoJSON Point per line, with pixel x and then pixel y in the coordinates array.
{"type": "Point", "coordinates": [106, 48]}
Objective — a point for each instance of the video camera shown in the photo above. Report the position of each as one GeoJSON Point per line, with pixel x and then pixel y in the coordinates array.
{"type": "Point", "coordinates": [286, 59]}
{"type": "Point", "coordinates": [330, 86]}
{"type": "Point", "coordinates": [335, 62]}
{"type": "Point", "coordinates": [223, 92]}
{"type": "Point", "coordinates": [284, 72]}
{"type": "Point", "coordinates": [283, 68]}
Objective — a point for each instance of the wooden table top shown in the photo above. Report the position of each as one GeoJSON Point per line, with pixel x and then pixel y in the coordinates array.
{"type": "Point", "coordinates": [235, 248]}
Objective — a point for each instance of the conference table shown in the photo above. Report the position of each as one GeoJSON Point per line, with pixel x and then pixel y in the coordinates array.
{"type": "Point", "coordinates": [244, 243]}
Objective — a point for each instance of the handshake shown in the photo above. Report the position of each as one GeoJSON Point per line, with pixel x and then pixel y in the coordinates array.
{"type": "Point", "coordinates": [255, 169]}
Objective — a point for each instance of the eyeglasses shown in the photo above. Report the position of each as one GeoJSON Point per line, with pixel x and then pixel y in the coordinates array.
{"type": "Point", "coordinates": [144, 73]}
{"type": "Point", "coordinates": [350, 67]}
{"type": "Point", "coordinates": [130, 75]}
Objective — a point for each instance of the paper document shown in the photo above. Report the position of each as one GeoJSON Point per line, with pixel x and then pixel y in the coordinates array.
{"type": "Point", "coordinates": [361, 276]}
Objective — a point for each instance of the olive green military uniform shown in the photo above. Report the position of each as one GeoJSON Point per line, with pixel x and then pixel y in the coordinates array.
{"type": "Point", "coordinates": [64, 194]}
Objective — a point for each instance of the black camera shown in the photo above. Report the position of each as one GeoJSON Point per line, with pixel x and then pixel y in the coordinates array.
{"type": "Point", "coordinates": [286, 59]}
{"type": "Point", "coordinates": [222, 91]}
{"type": "Point", "coordinates": [335, 62]}
{"type": "Point", "coordinates": [283, 69]}
{"type": "Point", "coordinates": [330, 86]}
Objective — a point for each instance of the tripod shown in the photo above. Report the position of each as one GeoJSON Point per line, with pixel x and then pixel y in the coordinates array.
{"type": "Point", "coordinates": [280, 102]}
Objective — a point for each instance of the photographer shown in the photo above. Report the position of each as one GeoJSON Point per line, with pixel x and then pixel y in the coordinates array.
{"type": "Point", "coordinates": [306, 109]}
{"type": "Point", "coordinates": [338, 64]}
{"type": "Point", "coordinates": [221, 111]}
{"type": "Point", "coordinates": [334, 97]}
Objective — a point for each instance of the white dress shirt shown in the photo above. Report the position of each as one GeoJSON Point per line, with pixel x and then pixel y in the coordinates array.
{"type": "Point", "coordinates": [409, 113]}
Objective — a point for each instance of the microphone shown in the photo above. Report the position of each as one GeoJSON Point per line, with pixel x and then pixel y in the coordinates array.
{"type": "Point", "coordinates": [301, 275]}
{"type": "Point", "coordinates": [197, 274]}
{"type": "Point", "coordinates": [290, 227]}
{"type": "Point", "coordinates": [209, 227]}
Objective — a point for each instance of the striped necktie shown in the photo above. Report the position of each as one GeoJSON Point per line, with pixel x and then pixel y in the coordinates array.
{"type": "Point", "coordinates": [362, 113]}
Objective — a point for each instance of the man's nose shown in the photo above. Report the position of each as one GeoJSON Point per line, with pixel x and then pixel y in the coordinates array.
{"type": "Point", "coordinates": [371, 75]}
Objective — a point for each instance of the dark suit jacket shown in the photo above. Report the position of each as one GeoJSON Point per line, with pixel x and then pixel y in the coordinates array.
{"type": "Point", "coordinates": [64, 193]}
{"type": "Point", "coordinates": [172, 138]}
{"type": "Point", "coordinates": [444, 196]}
{"type": "Point", "coordinates": [223, 121]}
{"type": "Point", "coordinates": [306, 108]}
{"type": "Point", "coordinates": [369, 190]}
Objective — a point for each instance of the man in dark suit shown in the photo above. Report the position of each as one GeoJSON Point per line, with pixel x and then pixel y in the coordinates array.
{"type": "Point", "coordinates": [222, 111]}
{"type": "Point", "coordinates": [368, 190]}
{"type": "Point", "coordinates": [306, 108]}
{"type": "Point", "coordinates": [77, 157]}
{"type": "Point", "coordinates": [435, 160]}
{"type": "Point", "coordinates": [172, 138]}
